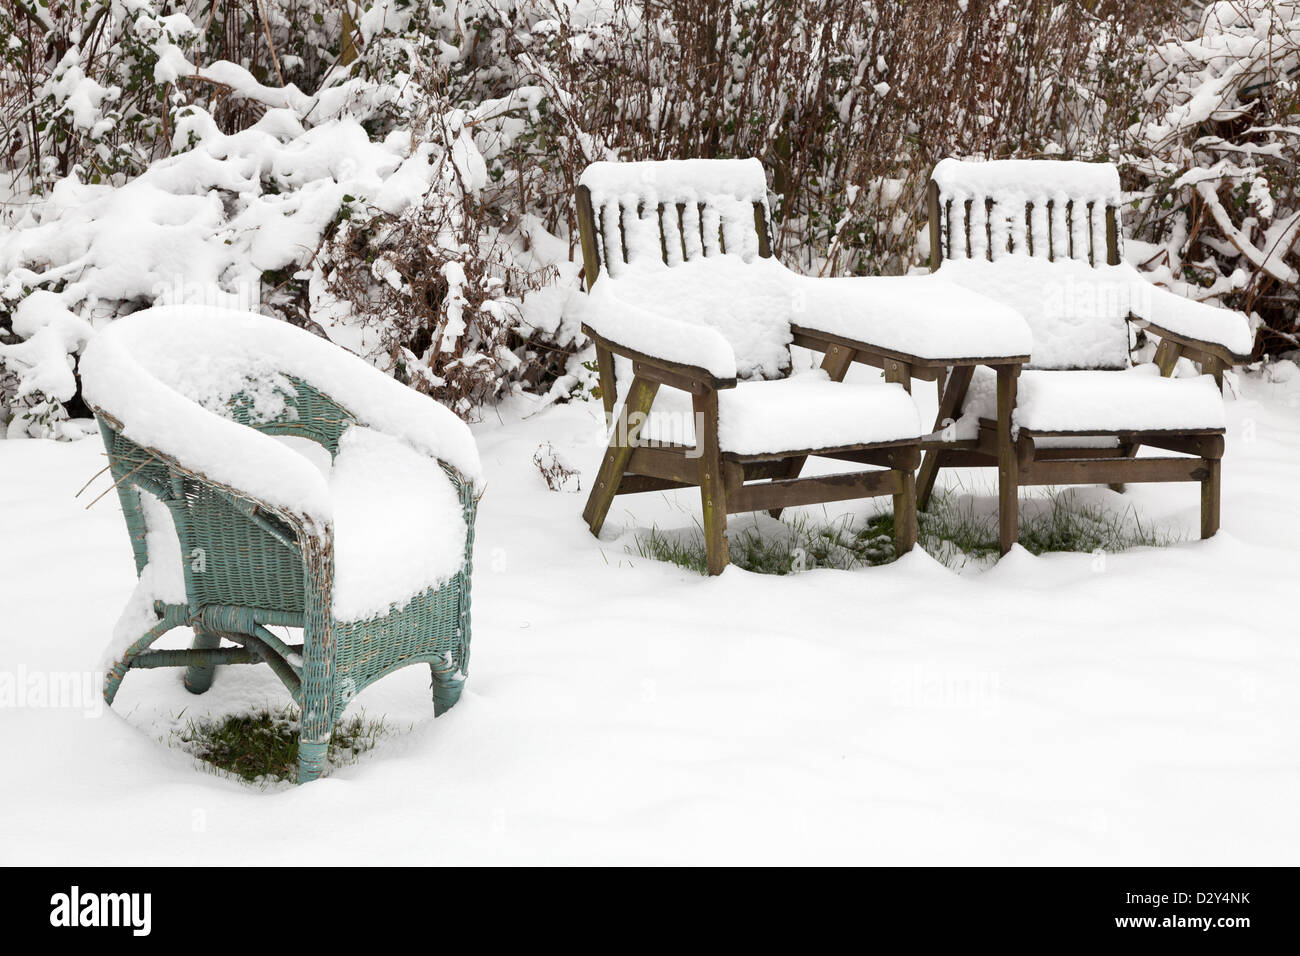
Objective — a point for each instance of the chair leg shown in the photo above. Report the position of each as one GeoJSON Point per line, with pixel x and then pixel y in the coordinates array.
{"type": "Point", "coordinates": [1008, 464]}
{"type": "Point", "coordinates": [113, 679]}
{"type": "Point", "coordinates": [314, 739]}
{"type": "Point", "coordinates": [447, 686]}
{"type": "Point", "coordinates": [713, 487]}
{"type": "Point", "coordinates": [640, 397]}
{"type": "Point", "coordinates": [905, 513]}
{"type": "Point", "coordinates": [198, 678]}
{"type": "Point", "coordinates": [1211, 486]}
{"type": "Point", "coordinates": [319, 692]}
{"type": "Point", "coordinates": [1129, 450]}
{"type": "Point", "coordinates": [952, 393]}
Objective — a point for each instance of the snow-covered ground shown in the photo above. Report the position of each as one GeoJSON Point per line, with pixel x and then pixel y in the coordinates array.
{"type": "Point", "coordinates": [1140, 708]}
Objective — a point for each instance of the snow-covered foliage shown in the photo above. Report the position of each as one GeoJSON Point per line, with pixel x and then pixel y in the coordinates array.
{"type": "Point", "coordinates": [345, 197]}
{"type": "Point", "coordinates": [1212, 157]}
{"type": "Point", "coordinates": [398, 174]}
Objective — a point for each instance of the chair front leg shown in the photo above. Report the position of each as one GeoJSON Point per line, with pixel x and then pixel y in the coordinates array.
{"type": "Point", "coordinates": [640, 397]}
{"type": "Point", "coordinates": [713, 487]}
{"type": "Point", "coordinates": [1008, 463]}
{"type": "Point", "coordinates": [905, 512]}
{"type": "Point", "coordinates": [1211, 488]}
{"type": "Point", "coordinates": [952, 394]}
{"type": "Point", "coordinates": [318, 670]}
{"type": "Point", "coordinates": [448, 682]}
{"type": "Point", "coordinates": [198, 678]}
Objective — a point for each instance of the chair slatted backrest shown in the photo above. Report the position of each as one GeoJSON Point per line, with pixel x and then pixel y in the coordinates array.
{"type": "Point", "coordinates": [671, 210]}
{"type": "Point", "coordinates": [1038, 235]}
{"type": "Point", "coordinates": [1047, 209]}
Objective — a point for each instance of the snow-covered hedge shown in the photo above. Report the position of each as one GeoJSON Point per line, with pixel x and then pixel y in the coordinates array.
{"type": "Point", "coordinates": [1212, 158]}
{"type": "Point", "coordinates": [398, 174]}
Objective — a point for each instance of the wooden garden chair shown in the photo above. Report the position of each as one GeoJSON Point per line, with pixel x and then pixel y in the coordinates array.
{"type": "Point", "coordinates": [1044, 237]}
{"type": "Point", "coordinates": [693, 323]}
{"type": "Point", "coordinates": [267, 478]}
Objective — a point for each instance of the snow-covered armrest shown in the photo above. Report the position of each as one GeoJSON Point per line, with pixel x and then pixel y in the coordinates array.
{"type": "Point", "coordinates": [921, 317]}
{"type": "Point", "coordinates": [1205, 327]}
{"type": "Point", "coordinates": [649, 336]}
{"type": "Point", "coordinates": [167, 376]}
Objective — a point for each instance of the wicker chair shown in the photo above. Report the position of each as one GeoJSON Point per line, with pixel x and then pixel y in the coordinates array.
{"type": "Point", "coordinates": [253, 519]}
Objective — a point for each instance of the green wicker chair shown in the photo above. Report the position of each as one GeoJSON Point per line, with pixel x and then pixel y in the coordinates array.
{"type": "Point", "coordinates": [193, 438]}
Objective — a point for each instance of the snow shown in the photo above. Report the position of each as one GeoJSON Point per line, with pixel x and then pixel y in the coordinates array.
{"type": "Point", "coordinates": [398, 525]}
{"type": "Point", "coordinates": [807, 410]}
{"type": "Point", "coordinates": [665, 311]}
{"type": "Point", "coordinates": [51, 333]}
{"type": "Point", "coordinates": [1136, 398]}
{"type": "Point", "coordinates": [1026, 180]}
{"type": "Point", "coordinates": [1197, 320]}
{"type": "Point", "coordinates": [916, 315]}
{"type": "Point", "coordinates": [1137, 708]}
{"type": "Point", "coordinates": [721, 314]}
{"type": "Point", "coordinates": [716, 212]}
{"type": "Point", "coordinates": [166, 374]}
{"type": "Point", "coordinates": [1078, 313]}
{"type": "Point", "coordinates": [811, 411]}
{"type": "Point", "coordinates": [676, 180]}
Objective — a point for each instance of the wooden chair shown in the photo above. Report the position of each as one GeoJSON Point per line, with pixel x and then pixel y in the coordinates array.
{"type": "Point", "coordinates": [1044, 237]}
{"type": "Point", "coordinates": [691, 215]}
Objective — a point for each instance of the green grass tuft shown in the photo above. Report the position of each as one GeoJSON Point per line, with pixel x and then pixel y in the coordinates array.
{"type": "Point", "coordinates": [262, 747]}
{"type": "Point", "coordinates": [951, 531]}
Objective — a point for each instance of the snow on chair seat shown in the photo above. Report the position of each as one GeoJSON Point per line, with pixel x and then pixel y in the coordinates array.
{"type": "Point", "coordinates": [1092, 402]}
{"type": "Point", "coordinates": [1044, 237]}
{"type": "Point", "coordinates": [806, 412]}
{"type": "Point", "coordinates": [754, 307]}
{"type": "Point", "coordinates": [366, 547]}
{"type": "Point", "coordinates": [381, 564]}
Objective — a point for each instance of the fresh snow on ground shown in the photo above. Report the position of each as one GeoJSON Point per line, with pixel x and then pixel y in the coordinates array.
{"type": "Point", "coordinates": [1074, 708]}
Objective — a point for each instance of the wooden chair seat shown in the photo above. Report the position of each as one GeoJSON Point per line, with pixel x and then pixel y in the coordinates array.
{"type": "Point", "coordinates": [806, 412]}
{"type": "Point", "coordinates": [1052, 402]}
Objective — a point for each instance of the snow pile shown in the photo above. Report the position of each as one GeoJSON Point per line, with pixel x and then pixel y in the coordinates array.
{"type": "Point", "coordinates": [809, 411]}
{"type": "Point", "coordinates": [51, 334]}
{"type": "Point", "coordinates": [725, 315]}
{"type": "Point", "coordinates": [1078, 314]}
{"type": "Point", "coordinates": [684, 209]}
{"type": "Point", "coordinates": [1217, 138]}
{"type": "Point", "coordinates": [1057, 207]}
{"type": "Point", "coordinates": [916, 315]}
{"type": "Point", "coordinates": [1136, 399]}
{"type": "Point", "coordinates": [166, 374]}
{"type": "Point", "coordinates": [269, 210]}
{"type": "Point", "coordinates": [735, 318]}
{"type": "Point", "coordinates": [674, 181]}
{"type": "Point", "coordinates": [1026, 180]}
{"type": "Point", "coordinates": [398, 524]}
{"type": "Point", "coordinates": [912, 724]}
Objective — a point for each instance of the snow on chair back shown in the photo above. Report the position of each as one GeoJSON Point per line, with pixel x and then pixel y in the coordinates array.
{"type": "Point", "coordinates": [671, 211]}
{"type": "Point", "coordinates": [1048, 209]}
{"type": "Point", "coordinates": [1041, 236]}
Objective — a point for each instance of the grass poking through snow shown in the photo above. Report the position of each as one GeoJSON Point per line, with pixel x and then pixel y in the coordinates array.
{"type": "Point", "coordinates": [263, 747]}
{"type": "Point", "coordinates": [952, 531]}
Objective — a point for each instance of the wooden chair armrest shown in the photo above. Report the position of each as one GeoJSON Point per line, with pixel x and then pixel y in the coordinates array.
{"type": "Point", "coordinates": [689, 378]}
{"type": "Point", "coordinates": [1193, 348]}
